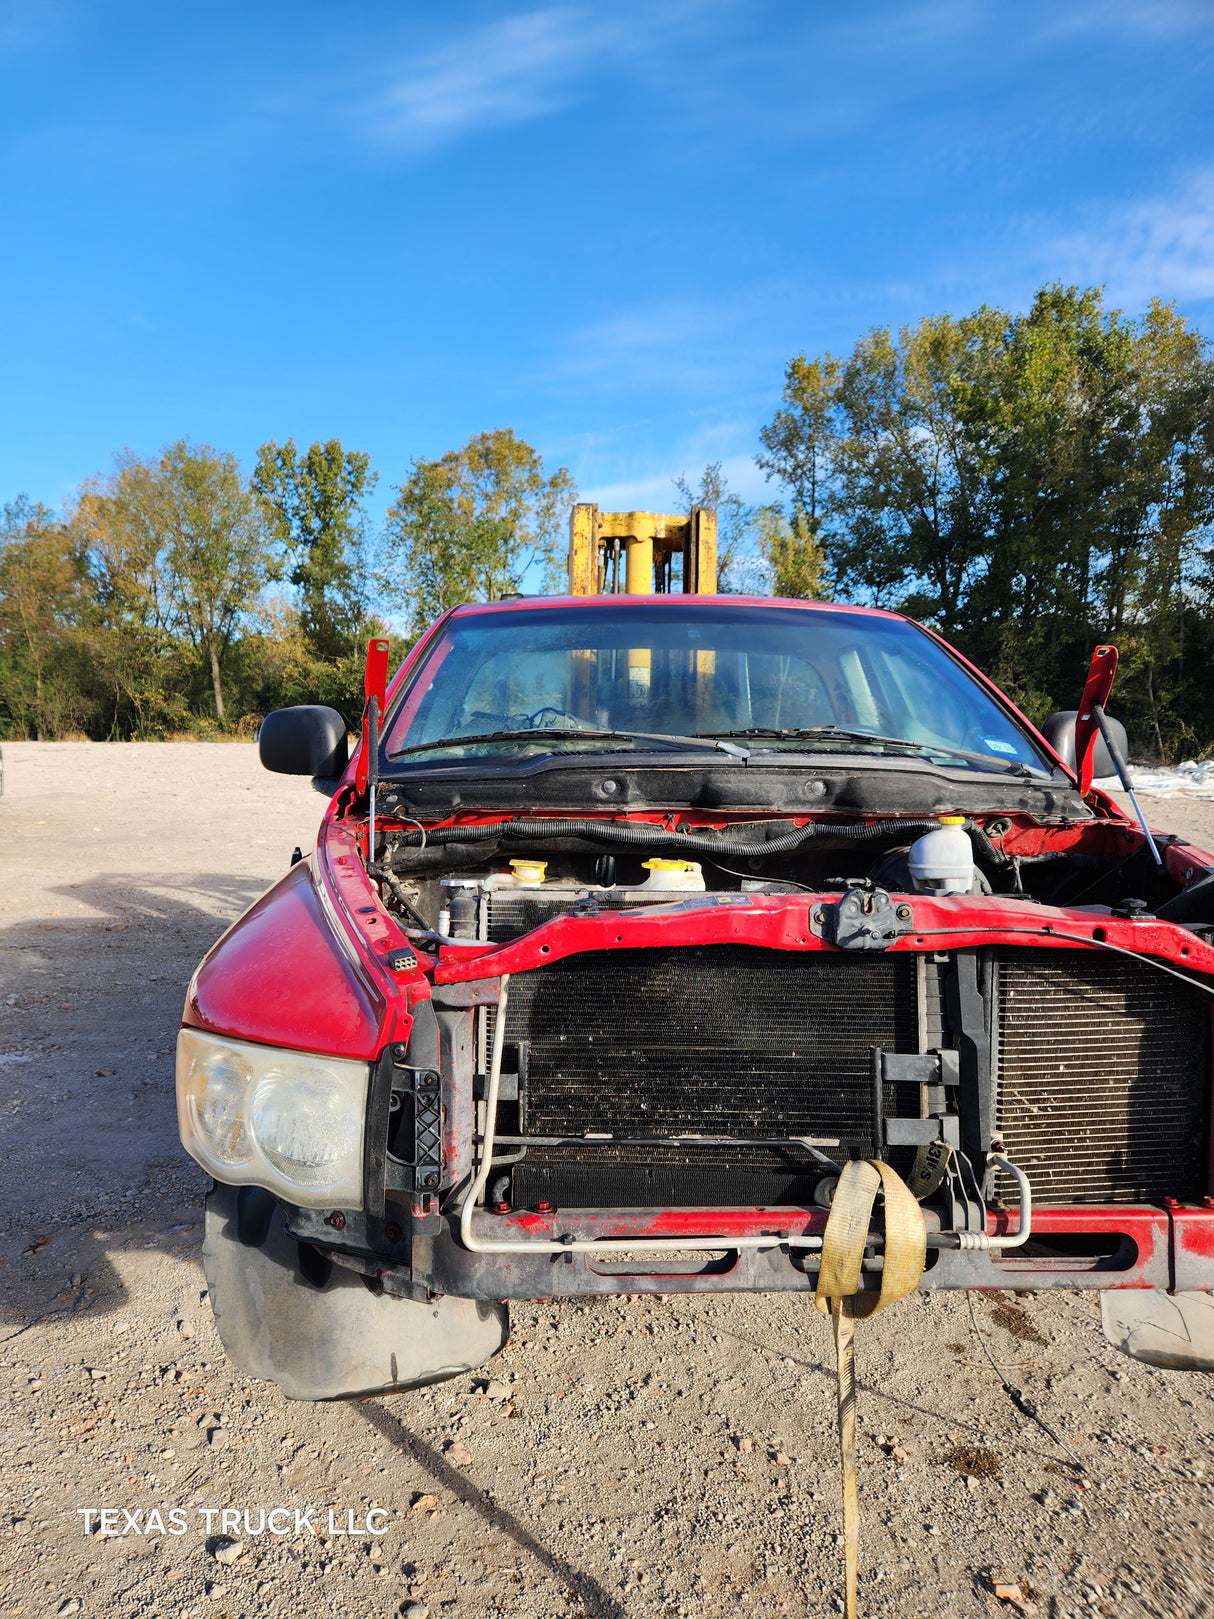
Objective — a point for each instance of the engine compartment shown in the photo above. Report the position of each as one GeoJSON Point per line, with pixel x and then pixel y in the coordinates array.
{"type": "Point", "coordinates": [439, 880]}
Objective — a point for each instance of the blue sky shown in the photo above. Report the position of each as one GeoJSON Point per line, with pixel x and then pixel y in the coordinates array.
{"type": "Point", "coordinates": [607, 226]}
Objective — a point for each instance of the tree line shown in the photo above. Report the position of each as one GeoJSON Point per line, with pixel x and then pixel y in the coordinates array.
{"type": "Point", "coordinates": [1028, 484]}
{"type": "Point", "coordinates": [178, 596]}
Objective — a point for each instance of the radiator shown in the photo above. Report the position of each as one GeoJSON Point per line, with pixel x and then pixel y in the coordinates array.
{"type": "Point", "coordinates": [724, 1040]}
{"type": "Point", "coordinates": [1103, 1077]}
{"type": "Point", "coordinates": [1101, 1068]}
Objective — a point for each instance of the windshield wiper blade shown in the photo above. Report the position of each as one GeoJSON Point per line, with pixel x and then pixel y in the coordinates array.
{"type": "Point", "coordinates": [696, 741]}
{"type": "Point", "coordinates": [559, 734]}
{"type": "Point", "coordinates": [832, 732]}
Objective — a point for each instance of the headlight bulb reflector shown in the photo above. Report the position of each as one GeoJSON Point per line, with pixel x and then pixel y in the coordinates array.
{"type": "Point", "coordinates": [302, 1122]}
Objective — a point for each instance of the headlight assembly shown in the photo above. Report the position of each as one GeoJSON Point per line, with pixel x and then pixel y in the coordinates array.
{"type": "Point", "coordinates": [286, 1120]}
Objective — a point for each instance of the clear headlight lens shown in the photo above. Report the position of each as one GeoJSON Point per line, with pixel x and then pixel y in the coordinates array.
{"type": "Point", "coordinates": [285, 1120]}
{"type": "Point", "coordinates": [216, 1097]}
{"type": "Point", "coordinates": [297, 1122]}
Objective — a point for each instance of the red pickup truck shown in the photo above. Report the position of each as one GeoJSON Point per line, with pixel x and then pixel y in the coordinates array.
{"type": "Point", "coordinates": [631, 921]}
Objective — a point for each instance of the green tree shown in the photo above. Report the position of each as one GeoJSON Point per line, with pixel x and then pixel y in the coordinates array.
{"type": "Point", "coordinates": [469, 525]}
{"type": "Point", "coordinates": [136, 673]}
{"type": "Point", "coordinates": [44, 599]}
{"type": "Point", "coordinates": [799, 441]}
{"type": "Point", "coordinates": [735, 524]}
{"type": "Point", "coordinates": [909, 510]}
{"type": "Point", "coordinates": [1030, 484]}
{"type": "Point", "coordinates": [760, 550]}
{"type": "Point", "coordinates": [216, 549]}
{"type": "Point", "coordinates": [181, 551]}
{"type": "Point", "coordinates": [314, 505]}
{"type": "Point", "coordinates": [792, 553]}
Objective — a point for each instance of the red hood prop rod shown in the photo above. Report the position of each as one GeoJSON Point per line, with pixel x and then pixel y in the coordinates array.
{"type": "Point", "coordinates": [366, 775]}
{"type": "Point", "coordinates": [1091, 724]}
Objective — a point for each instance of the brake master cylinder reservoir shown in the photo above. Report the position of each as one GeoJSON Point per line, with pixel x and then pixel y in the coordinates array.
{"type": "Point", "coordinates": [684, 875]}
{"type": "Point", "coordinates": [942, 862]}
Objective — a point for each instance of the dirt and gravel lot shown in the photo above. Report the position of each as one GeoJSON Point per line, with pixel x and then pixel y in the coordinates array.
{"type": "Point", "coordinates": [618, 1458]}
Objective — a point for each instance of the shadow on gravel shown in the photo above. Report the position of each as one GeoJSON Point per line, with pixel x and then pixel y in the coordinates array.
{"type": "Point", "coordinates": [494, 1514]}
{"type": "Point", "coordinates": [89, 1156]}
{"type": "Point", "coordinates": [943, 1417]}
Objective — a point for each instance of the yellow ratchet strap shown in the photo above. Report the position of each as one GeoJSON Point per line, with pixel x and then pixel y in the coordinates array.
{"type": "Point", "coordinates": [838, 1294]}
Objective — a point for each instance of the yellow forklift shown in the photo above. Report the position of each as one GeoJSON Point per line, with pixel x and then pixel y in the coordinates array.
{"type": "Point", "coordinates": [646, 544]}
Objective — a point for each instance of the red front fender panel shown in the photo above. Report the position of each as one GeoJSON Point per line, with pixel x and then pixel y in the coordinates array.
{"type": "Point", "coordinates": [280, 977]}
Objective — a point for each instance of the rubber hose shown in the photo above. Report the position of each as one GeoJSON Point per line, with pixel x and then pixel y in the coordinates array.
{"type": "Point", "coordinates": [995, 856]}
{"type": "Point", "coordinates": [648, 835]}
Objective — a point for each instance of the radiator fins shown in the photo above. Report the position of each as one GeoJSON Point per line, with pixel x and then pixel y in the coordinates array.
{"type": "Point", "coordinates": [1103, 1075]}
{"type": "Point", "coordinates": [730, 1040]}
{"type": "Point", "coordinates": [1102, 1070]}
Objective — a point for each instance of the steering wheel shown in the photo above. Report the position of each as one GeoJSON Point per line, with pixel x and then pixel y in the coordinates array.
{"type": "Point", "coordinates": [537, 722]}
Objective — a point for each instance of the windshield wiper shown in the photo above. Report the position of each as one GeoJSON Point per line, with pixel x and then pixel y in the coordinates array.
{"type": "Point", "coordinates": [831, 733]}
{"type": "Point", "coordinates": [558, 734]}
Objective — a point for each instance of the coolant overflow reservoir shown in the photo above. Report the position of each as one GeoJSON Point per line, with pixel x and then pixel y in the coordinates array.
{"type": "Point", "coordinates": [529, 872]}
{"type": "Point", "coordinates": [942, 862]}
{"type": "Point", "coordinates": [676, 874]}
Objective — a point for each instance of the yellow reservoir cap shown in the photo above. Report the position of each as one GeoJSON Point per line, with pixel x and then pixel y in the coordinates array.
{"type": "Point", "coordinates": [659, 864]}
{"type": "Point", "coordinates": [529, 871]}
{"type": "Point", "coordinates": [945, 820]}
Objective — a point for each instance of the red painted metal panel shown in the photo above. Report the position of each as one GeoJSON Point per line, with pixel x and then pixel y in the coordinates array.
{"type": "Point", "coordinates": [375, 675]}
{"type": "Point", "coordinates": [1186, 863]}
{"type": "Point", "coordinates": [531, 603]}
{"type": "Point", "coordinates": [1096, 691]}
{"type": "Point", "coordinates": [1146, 1227]}
{"type": "Point", "coordinates": [664, 1223]}
{"type": "Point", "coordinates": [278, 976]}
{"type": "Point", "coordinates": [373, 930]}
{"type": "Point", "coordinates": [781, 922]}
{"type": "Point", "coordinates": [418, 651]}
{"type": "Point", "coordinates": [375, 683]}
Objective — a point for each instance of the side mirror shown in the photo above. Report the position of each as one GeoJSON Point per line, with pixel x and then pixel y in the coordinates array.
{"type": "Point", "coordinates": [309, 740]}
{"type": "Point", "coordinates": [1059, 732]}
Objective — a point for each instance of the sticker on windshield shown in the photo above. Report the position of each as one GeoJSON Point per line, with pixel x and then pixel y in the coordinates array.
{"type": "Point", "coordinates": [997, 745]}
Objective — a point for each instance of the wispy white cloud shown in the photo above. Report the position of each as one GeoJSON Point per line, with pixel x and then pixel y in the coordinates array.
{"type": "Point", "coordinates": [508, 72]}
{"type": "Point", "coordinates": [1132, 19]}
{"type": "Point", "coordinates": [931, 22]}
{"type": "Point", "coordinates": [655, 490]}
{"type": "Point", "coordinates": [695, 345]}
{"type": "Point", "coordinates": [1154, 247]}
{"type": "Point", "coordinates": [669, 340]}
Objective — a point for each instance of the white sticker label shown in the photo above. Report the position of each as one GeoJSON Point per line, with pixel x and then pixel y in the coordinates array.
{"type": "Point", "coordinates": [996, 745]}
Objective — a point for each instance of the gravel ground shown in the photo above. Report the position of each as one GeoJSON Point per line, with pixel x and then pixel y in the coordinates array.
{"type": "Point", "coordinates": [618, 1458]}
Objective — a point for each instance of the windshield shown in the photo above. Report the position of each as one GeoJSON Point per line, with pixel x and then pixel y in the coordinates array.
{"type": "Point", "coordinates": [650, 677]}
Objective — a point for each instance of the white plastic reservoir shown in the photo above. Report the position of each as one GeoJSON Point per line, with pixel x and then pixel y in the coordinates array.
{"type": "Point", "coordinates": [684, 876]}
{"type": "Point", "coordinates": [942, 862]}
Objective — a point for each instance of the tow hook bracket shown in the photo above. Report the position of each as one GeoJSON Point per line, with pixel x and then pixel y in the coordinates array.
{"type": "Point", "coordinates": [415, 1130]}
{"type": "Point", "coordinates": [862, 919]}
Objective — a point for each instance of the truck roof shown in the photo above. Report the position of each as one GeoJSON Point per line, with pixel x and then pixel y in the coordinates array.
{"type": "Point", "coordinates": [616, 602]}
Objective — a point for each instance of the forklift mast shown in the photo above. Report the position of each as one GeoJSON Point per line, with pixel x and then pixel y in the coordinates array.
{"type": "Point", "coordinates": [649, 542]}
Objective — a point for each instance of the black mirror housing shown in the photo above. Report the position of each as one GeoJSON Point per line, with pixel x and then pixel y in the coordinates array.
{"type": "Point", "coordinates": [1059, 732]}
{"type": "Point", "coordinates": [308, 740]}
